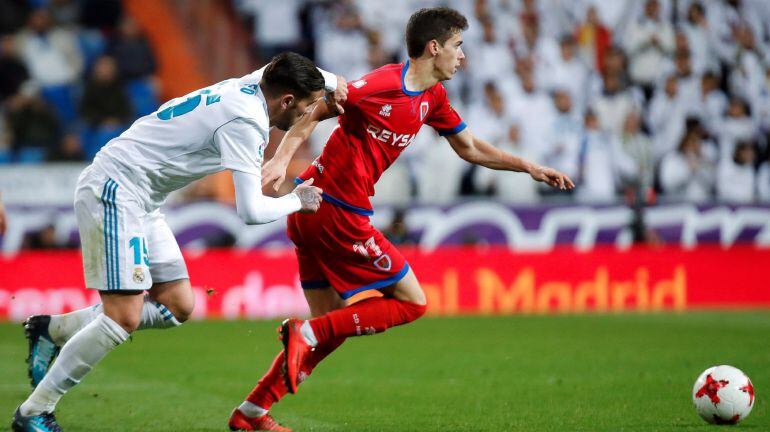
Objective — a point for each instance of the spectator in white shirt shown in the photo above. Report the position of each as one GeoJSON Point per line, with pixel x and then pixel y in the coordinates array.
{"type": "Point", "coordinates": [636, 164]}
{"type": "Point", "coordinates": [736, 177]}
{"type": "Point", "coordinates": [597, 168]}
{"type": "Point", "coordinates": [687, 174]}
{"type": "Point", "coordinates": [562, 143]}
{"type": "Point", "coordinates": [534, 109]}
{"type": "Point", "coordinates": [490, 58]}
{"type": "Point", "coordinates": [763, 181]}
{"type": "Point", "coordinates": [277, 25]}
{"type": "Point", "coordinates": [648, 42]}
{"type": "Point", "coordinates": [342, 44]}
{"type": "Point", "coordinates": [689, 81]}
{"type": "Point", "coordinates": [614, 103]}
{"type": "Point", "coordinates": [51, 54]}
{"type": "Point", "coordinates": [737, 125]}
{"type": "Point", "coordinates": [712, 103]}
{"type": "Point", "coordinates": [569, 72]}
{"type": "Point", "coordinates": [666, 115]}
{"type": "Point", "coordinates": [699, 39]}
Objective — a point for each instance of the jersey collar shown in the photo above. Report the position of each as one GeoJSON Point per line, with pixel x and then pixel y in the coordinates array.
{"type": "Point", "coordinates": [403, 84]}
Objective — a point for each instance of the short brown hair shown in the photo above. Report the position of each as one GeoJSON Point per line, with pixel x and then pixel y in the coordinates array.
{"type": "Point", "coordinates": [427, 24]}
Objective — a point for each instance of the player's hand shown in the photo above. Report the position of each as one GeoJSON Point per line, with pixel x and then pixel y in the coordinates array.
{"type": "Point", "coordinates": [552, 177]}
{"type": "Point", "coordinates": [274, 172]}
{"type": "Point", "coordinates": [309, 195]}
{"type": "Point", "coordinates": [336, 99]}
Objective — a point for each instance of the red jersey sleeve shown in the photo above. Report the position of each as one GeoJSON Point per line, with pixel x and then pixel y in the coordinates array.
{"type": "Point", "coordinates": [443, 118]}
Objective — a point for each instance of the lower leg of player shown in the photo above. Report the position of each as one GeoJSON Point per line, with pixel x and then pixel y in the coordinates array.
{"type": "Point", "coordinates": [404, 303]}
{"type": "Point", "coordinates": [84, 350]}
{"type": "Point", "coordinates": [168, 305]}
{"type": "Point", "coordinates": [175, 296]}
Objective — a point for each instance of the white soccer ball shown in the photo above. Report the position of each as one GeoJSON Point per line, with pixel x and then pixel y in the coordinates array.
{"type": "Point", "coordinates": [723, 395]}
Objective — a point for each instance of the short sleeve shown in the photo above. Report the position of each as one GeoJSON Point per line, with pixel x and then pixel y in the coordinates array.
{"type": "Point", "coordinates": [443, 118]}
{"type": "Point", "coordinates": [241, 144]}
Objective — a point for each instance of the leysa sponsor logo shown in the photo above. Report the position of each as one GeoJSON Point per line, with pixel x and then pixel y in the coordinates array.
{"type": "Point", "coordinates": [390, 137]}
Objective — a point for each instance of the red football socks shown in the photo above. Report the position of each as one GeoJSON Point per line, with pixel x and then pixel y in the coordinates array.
{"type": "Point", "coordinates": [366, 317]}
{"type": "Point", "coordinates": [272, 387]}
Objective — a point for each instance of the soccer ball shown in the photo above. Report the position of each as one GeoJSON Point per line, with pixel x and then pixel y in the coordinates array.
{"type": "Point", "coordinates": [723, 395]}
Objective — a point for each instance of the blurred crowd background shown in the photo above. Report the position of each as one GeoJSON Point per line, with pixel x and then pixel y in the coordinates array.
{"type": "Point", "coordinates": [639, 101]}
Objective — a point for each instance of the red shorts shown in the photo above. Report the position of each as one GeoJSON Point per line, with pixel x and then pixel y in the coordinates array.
{"type": "Point", "coordinates": [341, 249]}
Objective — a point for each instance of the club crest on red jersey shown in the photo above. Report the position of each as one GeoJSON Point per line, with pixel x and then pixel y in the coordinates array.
{"type": "Point", "coordinates": [424, 107]}
{"type": "Point", "coordinates": [383, 263]}
{"type": "Point", "coordinates": [385, 111]}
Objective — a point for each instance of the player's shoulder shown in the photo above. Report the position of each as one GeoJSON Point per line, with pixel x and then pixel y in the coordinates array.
{"type": "Point", "coordinates": [382, 79]}
{"type": "Point", "coordinates": [242, 98]}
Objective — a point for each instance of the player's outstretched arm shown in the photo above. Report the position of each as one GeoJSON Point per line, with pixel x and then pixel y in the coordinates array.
{"type": "Point", "coordinates": [274, 170]}
{"type": "Point", "coordinates": [255, 208]}
{"type": "Point", "coordinates": [480, 152]}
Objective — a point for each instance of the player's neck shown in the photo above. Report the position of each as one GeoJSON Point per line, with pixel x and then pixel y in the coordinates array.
{"type": "Point", "coordinates": [421, 75]}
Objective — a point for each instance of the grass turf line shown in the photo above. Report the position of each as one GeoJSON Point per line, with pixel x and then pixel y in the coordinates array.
{"type": "Point", "coordinates": [539, 373]}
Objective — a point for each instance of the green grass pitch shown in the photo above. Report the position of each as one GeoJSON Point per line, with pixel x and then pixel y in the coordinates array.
{"type": "Point", "coordinates": [538, 373]}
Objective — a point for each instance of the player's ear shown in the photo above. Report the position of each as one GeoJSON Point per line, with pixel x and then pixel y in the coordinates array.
{"type": "Point", "coordinates": [433, 48]}
{"type": "Point", "coordinates": [288, 101]}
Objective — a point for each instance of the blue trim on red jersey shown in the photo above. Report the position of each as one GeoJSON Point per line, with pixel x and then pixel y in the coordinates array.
{"type": "Point", "coordinates": [315, 284]}
{"type": "Point", "coordinates": [403, 85]}
{"type": "Point", "coordinates": [455, 130]}
{"type": "Point", "coordinates": [341, 204]}
{"type": "Point", "coordinates": [377, 285]}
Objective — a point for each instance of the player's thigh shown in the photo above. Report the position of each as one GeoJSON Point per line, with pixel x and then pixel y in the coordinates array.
{"type": "Point", "coordinates": [171, 283]}
{"type": "Point", "coordinates": [124, 307]}
{"type": "Point", "coordinates": [323, 300]}
{"type": "Point", "coordinates": [407, 289]}
{"type": "Point", "coordinates": [112, 235]}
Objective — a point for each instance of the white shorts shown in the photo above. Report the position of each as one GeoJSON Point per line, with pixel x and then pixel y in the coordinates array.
{"type": "Point", "coordinates": [124, 247]}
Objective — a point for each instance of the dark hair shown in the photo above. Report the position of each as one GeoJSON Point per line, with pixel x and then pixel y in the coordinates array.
{"type": "Point", "coordinates": [426, 24]}
{"type": "Point", "coordinates": [290, 72]}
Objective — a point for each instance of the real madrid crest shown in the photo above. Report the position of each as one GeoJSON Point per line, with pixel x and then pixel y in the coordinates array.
{"type": "Point", "coordinates": [138, 275]}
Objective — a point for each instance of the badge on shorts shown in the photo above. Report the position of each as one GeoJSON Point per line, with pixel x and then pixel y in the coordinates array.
{"type": "Point", "coordinates": [383, 262]}
{"type": "Point", "coordinates": [138, 275]}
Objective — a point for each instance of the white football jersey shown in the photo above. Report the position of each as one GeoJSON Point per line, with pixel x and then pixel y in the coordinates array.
{"type": "Point", "coordinates": [223, 126]}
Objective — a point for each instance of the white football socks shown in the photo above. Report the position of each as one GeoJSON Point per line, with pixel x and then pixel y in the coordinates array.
{"type": "Point", "coordinates": [156, 316]}
{"type": "Point", "coordinates": [63, 327]}
{"type": "Point", "coordinates": [78, 356]}
{"type": "Point", "coordinates": [251, 410]}
{"type": "Point", "coordinates": [307, 333]}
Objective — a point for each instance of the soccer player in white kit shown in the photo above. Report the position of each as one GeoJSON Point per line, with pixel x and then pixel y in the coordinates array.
{"type": "Point", "coordinates": [128, 249]}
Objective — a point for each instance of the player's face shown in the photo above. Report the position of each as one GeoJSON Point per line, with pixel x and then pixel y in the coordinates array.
{"type": "Point", "coordinates": [294, 109]}
{"type": "Point", "coordinates": [449, 57]}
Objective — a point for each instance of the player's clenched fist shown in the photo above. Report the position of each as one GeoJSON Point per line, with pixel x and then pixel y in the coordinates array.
{"type": "Point", "coordinates": [309, 195]}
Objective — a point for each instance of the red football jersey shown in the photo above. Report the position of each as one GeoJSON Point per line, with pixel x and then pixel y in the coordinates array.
{"type": "Point", "coordinates": [381, 119]}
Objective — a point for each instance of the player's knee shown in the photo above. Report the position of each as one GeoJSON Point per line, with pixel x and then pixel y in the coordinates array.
{"type": "Point", "coordinates": [129, 323]}
{"type": "Point", "coordinates": [182, 310]}
{"type": "Point", "coordinates": [414, 310]}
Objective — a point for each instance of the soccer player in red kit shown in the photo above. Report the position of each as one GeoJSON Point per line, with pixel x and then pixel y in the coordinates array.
{"type": "Point", "coordinates": [340, 254]}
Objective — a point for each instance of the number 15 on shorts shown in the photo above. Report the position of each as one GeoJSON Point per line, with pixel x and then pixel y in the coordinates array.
{"type": "Point", "coordinates": [139, 261]}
